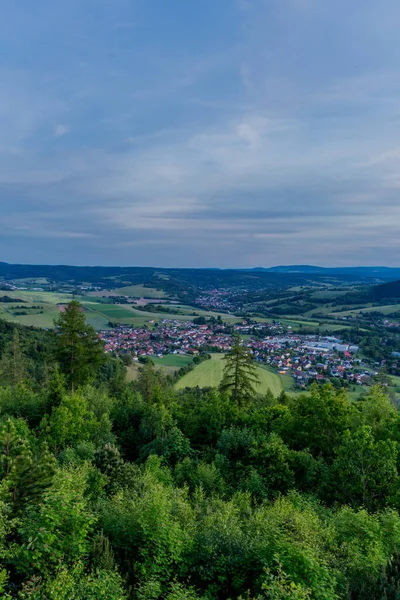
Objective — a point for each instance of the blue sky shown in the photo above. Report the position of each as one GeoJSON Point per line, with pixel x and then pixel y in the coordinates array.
{"type": "Point", "coordinates": [212, 133]}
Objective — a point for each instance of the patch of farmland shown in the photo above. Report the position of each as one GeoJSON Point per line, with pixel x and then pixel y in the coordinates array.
{"type": "Point", "coordinates": [112, 311]}
{"type": "Point", "coordinates": [209, 374]}
{"type": "Point", "coordinates": [40, 297]}
{"type": "Point", "coordinates": [330, 295]}
{"type": "Point", "coordinates": [172, 360]}
{"type": "Point", "coordinates": [386, 310]}
{"type": "Point", "coordinates": [140, 291]}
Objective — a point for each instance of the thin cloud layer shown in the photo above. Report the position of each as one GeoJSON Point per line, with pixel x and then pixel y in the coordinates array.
{"type": "Point", "coordinates": [200, 134]}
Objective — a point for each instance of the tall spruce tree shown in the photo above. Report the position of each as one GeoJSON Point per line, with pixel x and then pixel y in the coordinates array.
{"type": "Point", "coordinates": [25, 471]}
{"type": "Point", "coordinates": [13, 363]}
{"type": "Point", "coordinates": [240, 373]}
{"type": "Point", "coordinates": [79, 351]}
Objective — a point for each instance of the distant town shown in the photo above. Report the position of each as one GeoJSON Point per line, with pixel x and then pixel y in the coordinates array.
{"type": "Point", "coordinates": [304, 357]}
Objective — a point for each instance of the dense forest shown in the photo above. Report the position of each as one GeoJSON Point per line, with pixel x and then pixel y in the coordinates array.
{"type": "Point", "coordinates": [115, 491]}
{"type": "Point", "coordinates": [187, 283]}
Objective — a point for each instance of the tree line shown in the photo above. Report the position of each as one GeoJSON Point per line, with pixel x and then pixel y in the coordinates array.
{"type": "Point", "coordinates": [113, 490]}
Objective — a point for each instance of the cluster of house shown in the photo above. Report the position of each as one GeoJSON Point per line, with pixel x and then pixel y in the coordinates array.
{"type": "Point", "coordinates": [220, 299]}
{"type": "Point", "coordinates": [308, 358]}
{"type": "Point", "coordinates": [391, 324]}
{"type": "Point", "coordinates": [170, 337]}
{"type": "Point", "coordinates": [304, 357]}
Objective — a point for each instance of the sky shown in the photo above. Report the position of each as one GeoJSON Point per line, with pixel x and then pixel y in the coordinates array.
{"type": "Point", "coordinates": [188, 133]}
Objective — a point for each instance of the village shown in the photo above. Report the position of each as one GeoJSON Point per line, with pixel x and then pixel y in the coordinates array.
{"type": "Point", "coordinates": [306, 358]}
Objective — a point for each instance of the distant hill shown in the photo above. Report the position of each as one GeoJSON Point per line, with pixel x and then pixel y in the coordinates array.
{"type": "Point", "coordinates": [391, 289]}
{"type": "Point", "coordinates": [185, 284]}
{"type": "Point", "coordinates": [292, 269]}
{"type": "Point", "coordinates": [377, 272]}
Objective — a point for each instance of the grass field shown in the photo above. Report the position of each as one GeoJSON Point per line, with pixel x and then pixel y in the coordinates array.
{"type": "Point", "coordinates": [172, 360]}
{"type": "Point", "coordinates": [112, 311]}
{"type": "Point", "coordinates": [36, 317]}
{"type": "Point", "coordinates": [330, 294]}
{"type": "Point", "coordinates": [209, 374]}
{"type": "Point", "coordinates": [367, 309]}
{"type": "Point", "coordinates": [167, 364]}
{"type": "Point", "coordinates": [295, 323]}
{"type": "Point", "coordinates": [33, 297]}
{"type": "Point", "coordinates": [132, 372]}
{"type": "Point", "coordinates": [134, 291]}
{"type": "Point", "coordinates": [99, 312]}
{"type": "Point", "coordinates": [331, 327]}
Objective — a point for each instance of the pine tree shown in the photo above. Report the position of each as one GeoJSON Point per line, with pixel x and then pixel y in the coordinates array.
{"type": "Point", "coordinates": [12, 446]}
{"type": "Point", "coordinates": [31, 475]}
{"type": "Point", "coordinates": [240, 373]}
{"type": "Point", "coordinates": [56, 387]}
{"type": "Point", "coordinates": [109, 462]}
{"type": "Point", "coordinates": [102, 553]}
{"type": "Point", "coordinates": [26, 474]}
{"type": "Point", "coordinates": [79, 350]}
{"type": "Point", "coordinates": [13, 364]}
{"type": "Point", "coordinates": [149, 380]}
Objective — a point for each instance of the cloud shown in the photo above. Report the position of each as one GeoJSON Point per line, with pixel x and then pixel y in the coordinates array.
{"type": "Point", "coordinates": [265, 141]}
{"type": "Point", "coordinates": [60, 130]}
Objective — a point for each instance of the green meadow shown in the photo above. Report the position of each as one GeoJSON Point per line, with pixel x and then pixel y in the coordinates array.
{"type": "Point", "coordinates": [209, 374]}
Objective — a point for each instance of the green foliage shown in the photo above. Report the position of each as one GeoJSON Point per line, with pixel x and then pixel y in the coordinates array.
{"type": "Point", "coordinates": [74, 421]}
{"type": "Point", "coordinates": [315, 422]}
{"type": "Point", "coordinates": [78, 349]}
{"type": "Point", "coordinates": [115, 491]}
{"type": "Point", "coordinates": [21, 401]}
{"type": "Point", "coordinates": [278, 586]}
{"type": "Point", "coordinates": [240, 374]}
{"type": "Point", "coordinates": [56, 531]}
{"type": "Point", "coordinates": [203, 414]}
{"type": "Point", "coordinates": [378, 412]}
{"type": "Point", "coordinates": [364, 472]}
{"type": "Point", "coordinates": [200, 474]}
{"type": "Point", "coordinates": [172, 445]}
{"type": "Point", "coordinates": [150, 381]}
{"type": "Point", "coordinates": [13, 363]}
{"type": "Point", "coordinates": [146, 526]}
{"type": "Point", "coordinates": [75, 584]}
{"type": "Point", "coordinates": [27, 470]}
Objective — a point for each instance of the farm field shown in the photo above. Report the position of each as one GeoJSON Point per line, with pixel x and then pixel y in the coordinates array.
{"type": "Point", "coordinates": [129, 315]}
{"type": "Point", "coordinates": [332, 328]}
{"type": "Point", "coordinates": [330, 294]}
{"type": "Point", "coordinates": [206, 374]}
{"type": "Point", "coordinates": [132, 372]}
{"type": "Point", "coordinates": [190, 310]}
{"type": "Point", "coordinates": [37, 281]}
{"type": "Point", "coordinates": [296, 323]}
{"type": "Point", "coordinates": [395, 387]}
{"type": "Point", "coordinates": [48, 303]}
{"type": "Point", "coordinates": [40, 307]}
{"type": "Point", "coordinates": [34, 297]}
{"type": "Point", "coordinates": [99, 313]}
{"type": "Point", "coordinates": [167, 364]}
{"type": "Point", "coordinates": [172, 360]}
{"type": "Point", "coordinates": [286, 382]}
{"type": "Point", "coordinates": [367, 309]}
{"type": "Point", "coordinates": [209, 374]}
{"type": "Point", "coordinates": [134, 291]}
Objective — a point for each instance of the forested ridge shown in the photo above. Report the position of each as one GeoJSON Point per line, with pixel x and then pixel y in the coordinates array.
{"type": "Point", "coordinates": [115, 491]}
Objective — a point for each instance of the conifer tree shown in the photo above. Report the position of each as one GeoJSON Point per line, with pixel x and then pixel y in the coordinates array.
{"type": "Point", "coordinates": [26, 473]}
{"type": "Point", "coordinates": [240, 373]}
{"type": "Point", "coordinates": [31, 475]}
{"type": "Point", "coordinates": [56, 387]}
{"type": "Point", "coordinates": [79, 351]}
{"type": "Point", "coordinates": [13, 364]}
